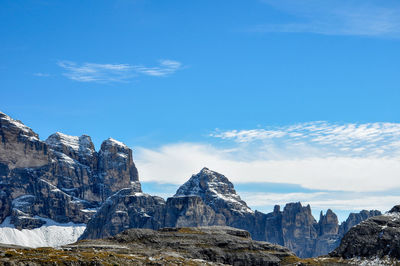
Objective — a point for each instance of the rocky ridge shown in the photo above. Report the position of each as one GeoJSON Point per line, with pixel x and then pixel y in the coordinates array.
{"type": "Point", "coordinates": [65, 179]}
{"type": "Point", "coordinates": [208, 199]}
{"type": "Point", "coordinates": [62, 178]}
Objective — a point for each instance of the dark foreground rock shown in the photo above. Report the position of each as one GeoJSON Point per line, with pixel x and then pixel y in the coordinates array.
{"type": "Point", "coordinates": [376, 237]}
{"type": "Point", "coordinates": [168, 246]}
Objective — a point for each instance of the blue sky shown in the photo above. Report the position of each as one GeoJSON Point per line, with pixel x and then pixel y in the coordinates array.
{"type": "Point", "coordinates": [290, 92]}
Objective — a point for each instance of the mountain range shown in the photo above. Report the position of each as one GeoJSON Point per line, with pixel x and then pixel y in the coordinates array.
{"type": "Point", "coordinates": [64, 181]}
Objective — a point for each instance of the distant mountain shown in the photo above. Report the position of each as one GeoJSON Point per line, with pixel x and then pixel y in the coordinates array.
{"type": "Point", "coordinates": [65, 180]}
{"type": "Point", "coordinates": [209, 198]}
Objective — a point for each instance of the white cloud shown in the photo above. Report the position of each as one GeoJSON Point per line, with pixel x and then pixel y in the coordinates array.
{"type": "Point", "coordinates": [338, 17]}
{"type": "Point", "coordinates": [324, 200]}
{"type": "Point", "coordinates": [355, 139]}
{"type": "Point", "coordinates": [93, 72]}
{"type": "Point", "coordinates": [346, 165]}
{"type": "Point", "coordinates": [176, 163]}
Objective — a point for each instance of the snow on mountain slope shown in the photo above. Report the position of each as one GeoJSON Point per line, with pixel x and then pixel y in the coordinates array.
{"type": "Point", "coordinates": [51, 234]}
{"type": "Point", "coordinates": [80, 145]}
{"type": "Point", "coordinates": [215, 189]}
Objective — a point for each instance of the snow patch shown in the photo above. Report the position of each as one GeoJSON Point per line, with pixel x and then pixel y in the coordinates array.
{"type": "Point", "coordinates": [112, 142]}
{"type": "Point", "coordinates": [51, 234]}
{"type": "Point", "coordinates": [393, 215]}
{"type": "Point", "coordinates": [81, 145]}
{"type": "Point", "coordinates": [23, 201]}
{"type": "Point", "coordinates": [374, 261]}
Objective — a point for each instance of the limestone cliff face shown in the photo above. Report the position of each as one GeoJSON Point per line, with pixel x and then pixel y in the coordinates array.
{"type": "Point", "coordinates": [20, 146]}
{"type": "Point", "coordinates": [62, 178]}
{"type": "Point", "coordinates": [299, 229]}
{"type": "Point", "coordinates": [328, 234]}
{"type": "Point", "coordinates": [190, 211]}
{"type": "Point", "coordinates": [116, 167]}
{"type": "Point", "coordinates": [126, 209]}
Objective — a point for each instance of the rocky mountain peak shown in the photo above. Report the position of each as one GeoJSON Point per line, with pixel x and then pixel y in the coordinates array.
{"type": "Point", "coordinates": [117, 167]}
{"type": "Point", "coordinates": [328, 223]}
{"type": "Point", "coordinates": [20, 146]}
{"type": "Point", "coordinates": [16, 126]}
{"type": "Point", "coordinates": [82, 145]}
{"type": "Point", "coordinates": [215, 189]}
{"type": "Point", "coordinates": [395, 209]}
{"type": "Point", "coordinates": [113, 142]}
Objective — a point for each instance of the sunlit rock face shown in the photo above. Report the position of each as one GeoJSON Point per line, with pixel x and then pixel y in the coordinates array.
{"type": "Point", "coordinates": [62, 178]}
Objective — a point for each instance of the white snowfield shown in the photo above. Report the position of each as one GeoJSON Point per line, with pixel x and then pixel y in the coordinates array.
{"type": "Point", "coordinates": [51, 234]}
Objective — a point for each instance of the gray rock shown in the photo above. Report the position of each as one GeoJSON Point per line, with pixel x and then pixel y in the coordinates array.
{"type": "Point", "coordinates": [62, 178]}
{"type": "Point", "coordinates": [208, 199]}
{"type": "Point", "coordinates": [216, 244]}
{"type": "Point", "coordinates": [377, 236]}
{"type": "Point", "coordinates": [169, 246]}
{"type": "Point", "coordinates": [190, 211]}
{"type": "Point", "coordinates": [356, 218]}
{"type": "Point", "coordinates": [126, 209]}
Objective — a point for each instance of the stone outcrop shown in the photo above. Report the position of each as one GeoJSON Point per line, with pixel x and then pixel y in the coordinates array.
{"type": "Point", "coordinates": [126, 209]}
{"type": "Point", "coordinates": [190, 211]}
{"type": "Point", "coordinates": [168, 246]}
{"type": "Point", "coordinates": [375, 237]}
{"type": "Point", "coordinates": [62, 178]}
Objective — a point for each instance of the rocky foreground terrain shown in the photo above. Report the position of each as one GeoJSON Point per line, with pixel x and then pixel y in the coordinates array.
{"type": "Point", "coordinates": [168, 246]}
{"type": "Point", "coordinates": [173, 246]}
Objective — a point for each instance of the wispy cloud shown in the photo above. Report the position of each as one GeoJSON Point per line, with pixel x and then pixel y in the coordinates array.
{"type": "Point", "coordinates": [355, 139]}
{"type": "Point", "coordinates": [337, 17]}
{"type": "Point", "coordinates": [167, 67]}
{"type": "Point", "coordinates": [40, 74]}
{"type": "Point", "coordinates": [93, 72]}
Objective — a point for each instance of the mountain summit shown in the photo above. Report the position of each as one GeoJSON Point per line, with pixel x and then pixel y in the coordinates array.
{"type": "Point", "coordinates": [63, 178]}
{"type": "Point", "coordinates": [215, 190]}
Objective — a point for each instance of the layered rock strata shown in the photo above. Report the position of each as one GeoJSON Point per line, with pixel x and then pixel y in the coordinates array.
{"type": "Point", "coordinates": [62, 178]}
